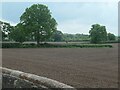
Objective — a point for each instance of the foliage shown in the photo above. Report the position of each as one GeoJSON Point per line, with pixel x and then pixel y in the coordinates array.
{"type": "Point", "coordinates": [118, 39]}
{"type": "Point", "coordinates": [46, 45]}
{"type": "Point", "coordinates": [57, 36]}
{"type": "Point", "coordinates": [18, 34]}
{"type": "Point", "coordinates": [6, 29]}
{"type": "Point", "coordinates": [3, 35]}
{"type": "Point", "coordinates": [75, 37]}
{"type": "Point", "coordinates": [10, 45]}
{"type": "Point", "coordinates": [111, 36]}
{"type": "Point", "coordinates": [98, 33]}
{"type": "Point", "coordinates": [38, 22]}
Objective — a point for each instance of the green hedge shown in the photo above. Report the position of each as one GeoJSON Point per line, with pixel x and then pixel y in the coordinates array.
{"type": "Point", "coordinates": [11, 45]}
{"type": "Point", "coordinates": [32, 45]}
{"type": "Point", "coordinates": [18, 45]}
{"type": "Point", "coordinates": [112, 41]}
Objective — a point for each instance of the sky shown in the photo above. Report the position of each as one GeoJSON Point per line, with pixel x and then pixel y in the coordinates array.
{"type": "Point", "coordinates": [72, 17]}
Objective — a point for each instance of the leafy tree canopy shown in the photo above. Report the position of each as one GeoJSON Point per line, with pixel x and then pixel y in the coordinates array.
{"type": "Point", "coordinates": [98, 33]}
{"type": "Point", "coordinates": [111, 36]}
{"type": "Point", "coordinates": [57, 36]}
{"type": "Point", "coordinates": [5, 28]}
{"type": "Point", "coordinates": [38, 21]}
{"type": "Point", "coordinates": [18, 34]}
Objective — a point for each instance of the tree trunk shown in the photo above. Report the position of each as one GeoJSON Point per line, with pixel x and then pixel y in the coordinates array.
{"type": "Point", "coordinates": [38, 37]}
{"type": "Point", "coordinates": [37, 42]}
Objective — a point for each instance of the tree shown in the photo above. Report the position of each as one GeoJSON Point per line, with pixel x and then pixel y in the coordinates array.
{"type": "Point", "coordinates": [18, 34]}
{"type": "Point", "coordinates": [38, 21]}
{"type": "Point", "coordinates": [98, 33]}
{"type": "Point", "coordinates": [119, 39]}
{"type": "Point", "coordinates": [111, 36]}
{"type": "Point", "coordinates": [5, 29]}
{"type": "Point", "coordinates": [57, 36]}
{"type": "Point", "coordinates": [3, 36]}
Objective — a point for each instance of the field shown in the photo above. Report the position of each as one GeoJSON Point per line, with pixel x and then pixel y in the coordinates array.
{"type": "Point", "coordinates": [78, 67]}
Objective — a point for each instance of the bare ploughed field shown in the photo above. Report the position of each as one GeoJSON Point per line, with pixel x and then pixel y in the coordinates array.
{"type": "Point", "coordinates": [78, 67]}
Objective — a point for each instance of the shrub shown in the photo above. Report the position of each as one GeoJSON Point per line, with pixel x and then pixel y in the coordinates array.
{"type": "Point", "coordinates": [46, 45]}
{"type": "Point", "coordinates": [11, 45]}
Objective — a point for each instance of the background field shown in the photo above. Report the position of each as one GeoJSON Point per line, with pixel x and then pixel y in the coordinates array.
{"type": "Point", "coordinates": [78, 67]}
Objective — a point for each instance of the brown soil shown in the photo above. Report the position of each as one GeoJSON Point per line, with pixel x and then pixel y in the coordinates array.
{"type": "Point", "coordinates": [78, 67]}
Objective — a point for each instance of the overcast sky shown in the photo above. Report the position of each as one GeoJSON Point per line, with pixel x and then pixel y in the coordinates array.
{"type": "Point", "coordinates": [72, 17]}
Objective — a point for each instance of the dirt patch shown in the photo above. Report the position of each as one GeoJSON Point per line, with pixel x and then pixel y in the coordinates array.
{"type": "Point", "coordinates": [78, 67]}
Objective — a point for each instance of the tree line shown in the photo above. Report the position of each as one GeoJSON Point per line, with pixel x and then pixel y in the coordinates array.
{"type": "Point", "coordinates": [37, 24]}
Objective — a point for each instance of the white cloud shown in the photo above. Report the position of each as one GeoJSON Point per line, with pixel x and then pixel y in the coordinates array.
{"type": "Point", "coordinates": [73, 26]}
{"type": "Point", "coordinates": [111, 29]}
{"type": "Point", "coordinates": [102, 13]}
{"type": "Point", "coordinates": [76, 26]}
{"type": "Point", "coordinates": [82, 16]}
